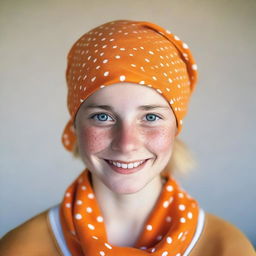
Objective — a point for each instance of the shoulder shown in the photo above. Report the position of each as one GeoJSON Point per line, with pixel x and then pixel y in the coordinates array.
{"type": "Point", "coordinates": [33, 237]}
{"type": "Point", "coordinates": [222, 238]}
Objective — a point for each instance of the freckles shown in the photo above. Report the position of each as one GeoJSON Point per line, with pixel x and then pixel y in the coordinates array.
{"type": "Point", "coordinates": [93, 139]}
{"type": "Point", "coordinates": [160, 139]}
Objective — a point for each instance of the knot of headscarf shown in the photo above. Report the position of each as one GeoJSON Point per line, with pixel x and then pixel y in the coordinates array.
{"type": "Point", "coordinates": [129, 51]}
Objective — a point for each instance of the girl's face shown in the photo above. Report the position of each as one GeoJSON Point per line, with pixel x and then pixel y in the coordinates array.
{"type": "Point", "coordinates": [125, 123]}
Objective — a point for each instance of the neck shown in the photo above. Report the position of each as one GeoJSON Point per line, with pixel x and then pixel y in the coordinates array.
{"type": "Point", "coordinates": [133, 208]}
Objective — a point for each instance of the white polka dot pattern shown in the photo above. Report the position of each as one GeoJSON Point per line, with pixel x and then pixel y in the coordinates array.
{"type": "Point", "coordinates": [134, 52]}
{"type": "Point", "coordinates": [170, 226]}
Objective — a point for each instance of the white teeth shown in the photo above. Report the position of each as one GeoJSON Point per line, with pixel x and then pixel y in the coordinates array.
{"type": "Point", "coordinates": [127, 166]}
{"type": "Point", "coordinates": [136, 164]}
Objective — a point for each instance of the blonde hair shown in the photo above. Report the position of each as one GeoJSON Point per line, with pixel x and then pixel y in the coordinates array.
{"type": "Point", "coordinates": [182, 160]}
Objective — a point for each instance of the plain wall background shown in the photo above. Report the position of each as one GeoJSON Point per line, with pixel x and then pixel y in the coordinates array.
{"type": "Point", "coordinates": [220, 127]}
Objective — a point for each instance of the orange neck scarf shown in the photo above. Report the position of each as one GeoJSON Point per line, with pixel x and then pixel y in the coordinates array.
{"type": "Point", "coordinates": [168, 230]}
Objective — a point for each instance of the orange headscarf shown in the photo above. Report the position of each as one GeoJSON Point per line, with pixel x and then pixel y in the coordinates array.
{"type": "Point", "coordinates": [129, 51]}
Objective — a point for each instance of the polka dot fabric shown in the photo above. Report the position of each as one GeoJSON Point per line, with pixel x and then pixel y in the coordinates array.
{"type": "Point", "coordinates": [129, 51]}
{"type": "Point", "coordinates": [168, 230]}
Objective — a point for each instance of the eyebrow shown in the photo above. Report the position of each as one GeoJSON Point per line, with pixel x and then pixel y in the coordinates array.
{"type": "Point", "coordinates": [143, 107]}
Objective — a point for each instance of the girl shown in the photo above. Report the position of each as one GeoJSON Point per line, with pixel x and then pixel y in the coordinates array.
{"type": "Point", "coordinates": [129, 84]}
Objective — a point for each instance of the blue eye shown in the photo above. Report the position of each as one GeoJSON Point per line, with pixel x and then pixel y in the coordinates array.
{"type": "Point", "coordinates": [101, 117]}
{"type": "Point", "coordinates": [152, 117]}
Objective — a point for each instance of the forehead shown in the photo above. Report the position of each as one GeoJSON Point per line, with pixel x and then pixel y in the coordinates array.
{"type": "Point", "coordinates": [124, 93]}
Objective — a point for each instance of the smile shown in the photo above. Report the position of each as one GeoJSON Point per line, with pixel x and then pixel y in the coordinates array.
{"type": "Point", "coordinates": [124, 168]}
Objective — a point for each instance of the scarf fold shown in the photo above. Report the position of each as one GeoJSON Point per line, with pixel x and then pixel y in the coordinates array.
{"type": "Point", "coordinates": [167, 231]}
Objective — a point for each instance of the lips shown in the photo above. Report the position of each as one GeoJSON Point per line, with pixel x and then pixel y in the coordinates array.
{"type": "Point", "coordinates": [128, 165]}
{"type": "Point", "coordinates": [123, 162]}
{"type": "Point", "coordinates": [128, 168]}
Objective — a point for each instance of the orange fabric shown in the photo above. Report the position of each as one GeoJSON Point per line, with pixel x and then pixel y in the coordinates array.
{"type": "Point", "coordinates": [129, 51]}
{"type": "Point", "coordinates": [168, 230]}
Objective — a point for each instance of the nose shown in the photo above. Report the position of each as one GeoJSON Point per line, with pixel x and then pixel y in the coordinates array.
{"type": "Point", "coordinates": [126, 138]}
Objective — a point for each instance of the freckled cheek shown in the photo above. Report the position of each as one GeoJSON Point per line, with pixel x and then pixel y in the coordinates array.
{"type": "Point", "coordinates": [160, 140]}
{"type": "Point", "coordinates": [93, 140]}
